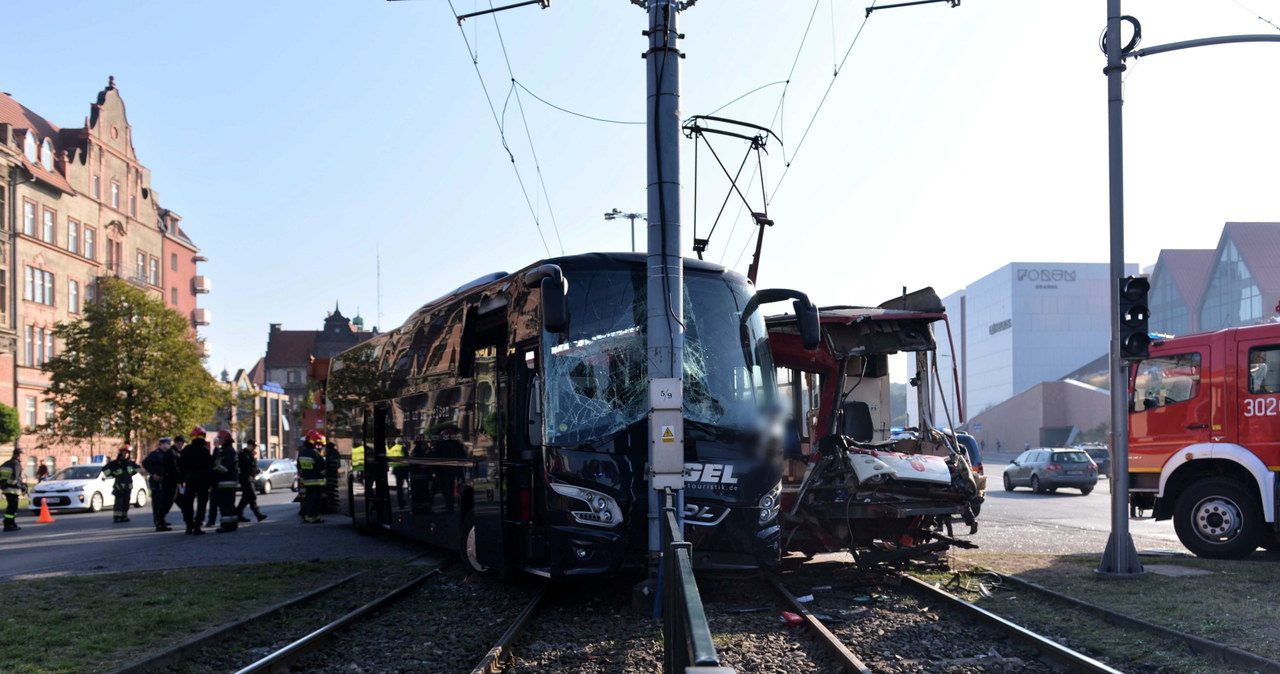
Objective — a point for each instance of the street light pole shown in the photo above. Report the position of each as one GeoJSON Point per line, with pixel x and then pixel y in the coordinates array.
{"type": "Point", "coordinates": [615, 214]}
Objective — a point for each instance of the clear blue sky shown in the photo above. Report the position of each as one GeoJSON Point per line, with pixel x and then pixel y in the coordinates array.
{"type": "Point", "coordinates": [301, 141]}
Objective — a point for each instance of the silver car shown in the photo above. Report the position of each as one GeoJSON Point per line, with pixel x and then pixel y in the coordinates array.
{"type": "Point", "coordinates": [276, 474]}
{"type": "Point", "coordinates": [1047, 469]}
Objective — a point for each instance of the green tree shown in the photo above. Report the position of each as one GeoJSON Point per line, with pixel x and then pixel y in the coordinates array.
{"type": "Point", "coordinates": [129, 369]}
{"type": "Point", "coordinates": [10, 425]}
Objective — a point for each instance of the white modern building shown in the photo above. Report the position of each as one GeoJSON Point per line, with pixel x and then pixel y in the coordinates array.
{"type": "Point", "coordinates": [1023, 324]}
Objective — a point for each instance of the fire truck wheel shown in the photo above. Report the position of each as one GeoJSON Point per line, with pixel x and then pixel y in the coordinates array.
{"type": "Point", "coordinates": [1008, 484]}
{"type": "Point", "coordinates": [1218, 518]}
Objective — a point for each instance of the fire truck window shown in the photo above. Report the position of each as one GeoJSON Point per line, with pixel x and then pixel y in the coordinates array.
{"type": "Point", "coordinates": [1166, 380]}
{"type": "Point", "coordinates": [1264, 369]}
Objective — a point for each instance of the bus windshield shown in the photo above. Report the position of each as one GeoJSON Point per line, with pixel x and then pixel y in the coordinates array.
{"type": "Point", "coordinates": [597, 373]}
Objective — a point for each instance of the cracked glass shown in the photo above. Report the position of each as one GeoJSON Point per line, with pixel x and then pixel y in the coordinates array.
{"type": "Point", "coordinates": [597, 373]}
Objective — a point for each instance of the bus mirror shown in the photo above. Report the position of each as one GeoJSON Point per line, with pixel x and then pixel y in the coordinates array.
{"type": "Point", "coordinates": [807, 322]}
{"type": "Point", "coordinates": [555, 312]}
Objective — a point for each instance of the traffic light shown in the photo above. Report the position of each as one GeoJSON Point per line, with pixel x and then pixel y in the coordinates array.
{"type": "Point", "coordinates": [1134, 314]}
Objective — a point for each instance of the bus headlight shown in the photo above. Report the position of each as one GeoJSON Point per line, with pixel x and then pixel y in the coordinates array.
{"type": "Point", "coordinates": [770, 503]}
{"type": "Point", "coordinates": [602, 510]}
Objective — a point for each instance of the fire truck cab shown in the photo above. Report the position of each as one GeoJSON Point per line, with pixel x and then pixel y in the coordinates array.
{"type": "Point", "coordinates": [1204, 438]}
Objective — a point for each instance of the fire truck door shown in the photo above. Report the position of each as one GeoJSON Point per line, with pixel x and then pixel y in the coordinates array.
{"type": "Point", "coordinates": [1258, 391]}
{"type": "Point", "coordinates": [1172, 406]}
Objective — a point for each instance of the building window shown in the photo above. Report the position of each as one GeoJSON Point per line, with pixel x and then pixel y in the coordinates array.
{"type": "Point", "coordinates": [1233, 297]}
{"type": "Point", "coordinates": [31, 414]}
{"type": "Point", "coordinates": [28, 344]}
{"type": "Point", "coordinates": [90, 292]}
{"type": "Point", "coordinates": [29, 146]}
{"type": "Point", "coordinates": [73, 236]}
{"type": "Point", "coordinates": [133, 205]}
{"type": "Point", "coordinates": [46, 155]}
{"type": "Point", "coordinates": [90, 248]}
{"type": "Point", "coordinates": [115, 194]}
{"type": "Point", "coordinates": [4, 211]}
{"type": "Point", "coordinates": [97, 187]}
{"type": "Point", "coordinates": [141, 265]}
{"type": "Point", "coordinates": [28, 218]}
{"type": "Point", "coordinates": [173, 296]}
{"type": "Point", "coordinates": [39, 286]}
{"type": "Point", "coordinates": [173, 261]}
{"type": "Point", "coordinates": [48, 345]}
{"type": "Point", "coordinates": [291, 377]}
{"type": "Point", "coordinates": [48, 415]}
{"type": "Point", "coordinates": [153, 271]}
{"type": "Point", "coordinates": [47, 234]}
{"type": "Point", "coordinates": [73, 296]}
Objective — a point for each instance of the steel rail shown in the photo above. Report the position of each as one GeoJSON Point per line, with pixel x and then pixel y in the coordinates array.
{"type": "Point", "coordinates": [838, 650]}
{"type": "Point", "coordinates": [281, 660]}
{"type": "Point", "coordinates": [491, 663]}
{"type": "Point", "coordinates": [177, 653]}
{"type": "Point", "coordinates": [1077, 662]}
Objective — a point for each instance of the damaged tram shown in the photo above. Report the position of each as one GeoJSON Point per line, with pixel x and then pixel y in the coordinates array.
{"type": "Point", "coordinates": [508, 420]}
{"type": "Point", "coordinates": [852, 482]}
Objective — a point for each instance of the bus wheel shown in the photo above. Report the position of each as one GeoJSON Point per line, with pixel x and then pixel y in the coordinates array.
{"type": "Point", "coordinates": [1218, 518]}
{"type": "Point", "coordinates": [468, 546]}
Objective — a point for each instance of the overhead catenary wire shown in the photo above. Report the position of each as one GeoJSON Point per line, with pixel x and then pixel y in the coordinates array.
{"type": "Point", "coordinates": [475, 63]}
{"type": "Point", "coordinates": [1259, 16]}
{"type": "Point", "coordinates": [571, 112]}
{"type": "Point", "coordinates": [555, 226]}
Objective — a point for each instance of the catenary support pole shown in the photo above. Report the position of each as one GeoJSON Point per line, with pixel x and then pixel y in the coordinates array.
{"type": "Point", "coordinates": [1120, 559]}
{"type": "Point", "coordinates": [665, 280]}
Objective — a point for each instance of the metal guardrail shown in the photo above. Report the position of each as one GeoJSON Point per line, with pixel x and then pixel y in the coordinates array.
{"type": "Point", "coordinates": [686, 636]}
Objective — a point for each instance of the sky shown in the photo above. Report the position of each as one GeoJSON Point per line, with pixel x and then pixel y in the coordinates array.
{"type": "Point", "coordinates": [351, 153]}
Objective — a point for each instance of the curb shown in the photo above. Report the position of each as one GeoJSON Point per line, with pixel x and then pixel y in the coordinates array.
{"type": "Point", "coordinates": [1207, 647]}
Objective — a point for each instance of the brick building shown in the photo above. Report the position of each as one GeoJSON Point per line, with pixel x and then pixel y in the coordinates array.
{"type": "Point", "coordinates": [76, 205]}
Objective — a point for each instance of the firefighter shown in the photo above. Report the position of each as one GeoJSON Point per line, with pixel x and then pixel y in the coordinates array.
{"type": "Point", "coordinates": [248, 459]}
{"type": "Point", "coordinates": [13, 483]}
{"type": "Point", "coordinates": [226, 471]}
{"type": "Point", "coordinates": [311, 474]}
{"type": "Point", "coordinates": [157, 464]}
{"type": "Point", "coordinates": [195, 469]}
{"type": "Point", "coordinates": [122, 469]}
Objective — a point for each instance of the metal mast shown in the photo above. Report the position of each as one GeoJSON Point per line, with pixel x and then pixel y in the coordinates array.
{"type": "Point", "coordinates": [665, 282]}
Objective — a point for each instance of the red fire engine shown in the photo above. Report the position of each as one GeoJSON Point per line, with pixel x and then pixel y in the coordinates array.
{"type": "Point", "coordinates": [1204, 438]}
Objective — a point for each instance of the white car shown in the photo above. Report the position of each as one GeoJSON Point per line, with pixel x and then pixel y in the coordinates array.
{"type": "Point", "coordinates": [83, 487]}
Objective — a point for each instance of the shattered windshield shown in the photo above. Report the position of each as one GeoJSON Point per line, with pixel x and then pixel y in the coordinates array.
{"type": "Point", "coordinates": [597, 373]}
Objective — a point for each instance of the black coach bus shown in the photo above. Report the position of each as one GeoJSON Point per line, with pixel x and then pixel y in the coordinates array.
{"type": "Point", "coordinates": [508, 420]}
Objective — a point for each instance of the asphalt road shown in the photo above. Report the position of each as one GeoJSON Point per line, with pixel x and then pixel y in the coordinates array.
{"type": "Point", "coordinates": [1060, 523]}
{"type": "Point", "coordinates": [84, 543]}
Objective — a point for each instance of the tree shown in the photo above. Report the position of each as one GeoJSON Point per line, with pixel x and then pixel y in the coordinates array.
{"type": "Point", "coordinates": [10, 425]}
{"type": "Point", "coordinates": [129, 369]}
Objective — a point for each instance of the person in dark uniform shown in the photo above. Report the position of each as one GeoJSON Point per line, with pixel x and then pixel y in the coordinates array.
{"type": "Point", "coordinates": [154, 465]}
{"type": "Point", "coordinates": [195, 469]}
{"type": "Point", "coordinates": [13, 483]}
{"type": "Point", "coordinates": [332, 462]}
{"type": "Point", "coordinates": [311, 474]}
{"type": "Point", "coordinates": [122, 470]}
{"type": "Point", "coordinates": [248, 459]}
{"type": "Point", "coordinates": [226, 471]}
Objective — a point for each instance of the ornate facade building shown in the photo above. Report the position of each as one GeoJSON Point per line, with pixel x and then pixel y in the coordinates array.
{"type": "Point", "coordinates": [76, 205]}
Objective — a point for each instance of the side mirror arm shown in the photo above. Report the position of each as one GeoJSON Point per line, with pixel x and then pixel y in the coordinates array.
{"type": "Point", "coordinates": [807, 319]}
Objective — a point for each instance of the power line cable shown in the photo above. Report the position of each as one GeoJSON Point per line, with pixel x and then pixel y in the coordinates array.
{"type": "Point", "coordinates": [579, 114]}
{"type": "Point", "coordinates": [475, 63]}
{"type": "Point", "coordinates": [528, 134]}
{"type": "Point", "coordinates": [1260, 17]}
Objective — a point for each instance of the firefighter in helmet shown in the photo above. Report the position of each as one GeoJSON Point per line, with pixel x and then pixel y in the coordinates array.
{"type": "Point", "coordinates": [311, 473]}
{"type": "Point", "coordinates": [13, 483]}
{"type": "Point", "coordinates": [122, 470]}
{"type": "Point", "coordinates": [226, 472]}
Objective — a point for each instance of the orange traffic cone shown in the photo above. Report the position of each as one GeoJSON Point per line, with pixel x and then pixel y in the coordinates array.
{"type": "Point", "coordinates": [45, 517]}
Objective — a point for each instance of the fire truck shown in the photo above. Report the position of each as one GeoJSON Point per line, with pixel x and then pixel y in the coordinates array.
{"type": "Point", "coordinates": [1204, 438]}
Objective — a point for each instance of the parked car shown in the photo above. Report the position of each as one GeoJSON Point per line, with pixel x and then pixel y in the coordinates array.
{"type": "Point", "coordinates": [276, 474]}
{"type": "Point", "coordinates": [83, 487]}
{"type": "Point", "coordinates": [1101, 455]}
{"type": "Point", "coordinates": [1047, 469]}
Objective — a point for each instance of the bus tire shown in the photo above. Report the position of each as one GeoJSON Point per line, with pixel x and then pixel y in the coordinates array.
{"type": "Point", "coordinates": [467, 547]}
{"type": "Point", "coordinates": [1218, 518]}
